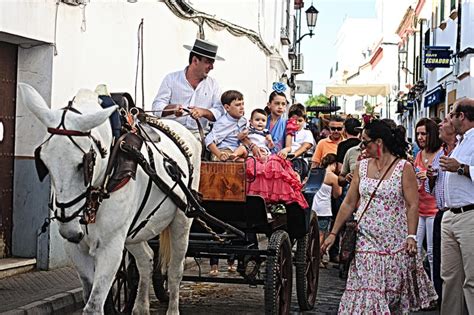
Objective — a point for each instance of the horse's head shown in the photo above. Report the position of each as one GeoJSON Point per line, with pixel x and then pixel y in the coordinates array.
{"type": "Point", "coordinates": [73, 153]}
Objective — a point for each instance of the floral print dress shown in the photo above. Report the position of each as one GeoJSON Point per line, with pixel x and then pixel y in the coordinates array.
{"type": "Point", "coordinates": [383, 278]}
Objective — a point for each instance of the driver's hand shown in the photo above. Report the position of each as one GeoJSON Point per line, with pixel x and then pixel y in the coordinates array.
{"type": "Point", "coordinates": [178, 112]}
{"type": "Point", "coordinates": [196, 112]}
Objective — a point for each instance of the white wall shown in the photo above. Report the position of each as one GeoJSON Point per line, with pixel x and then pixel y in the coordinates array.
{"type": "Point", "coordinates": [354, 37]}
{"type": "Point", "coordinates": [103, 49]}
{"type": "Point", "coordinates": [106, 51]}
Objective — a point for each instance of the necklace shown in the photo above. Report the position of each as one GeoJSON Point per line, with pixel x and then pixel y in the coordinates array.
{"type": "Point", "coordinates": [379, 170]}
{"type": "Point", "coordinates": [425, 160]}
{"type": "Point", "coordinates": [377, 174]}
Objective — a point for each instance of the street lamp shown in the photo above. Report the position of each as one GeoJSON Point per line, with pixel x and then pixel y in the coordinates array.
{"type": "Point", "coordinates": [311, 18]}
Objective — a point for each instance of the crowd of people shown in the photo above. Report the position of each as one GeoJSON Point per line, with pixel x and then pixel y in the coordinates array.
{"type": "Point", "coordinates": [410, 204]}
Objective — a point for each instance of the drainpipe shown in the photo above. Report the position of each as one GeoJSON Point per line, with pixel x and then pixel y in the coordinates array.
{"type": "Point", "coordinates": [458, 37]}
{"type": "Point", "coordinates": [420, 65]}
{"type": "Point", "coordinates": [458, 49]}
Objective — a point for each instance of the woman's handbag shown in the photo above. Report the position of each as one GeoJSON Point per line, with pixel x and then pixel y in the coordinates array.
{"type": "Point", "coordinates": [349, 238]}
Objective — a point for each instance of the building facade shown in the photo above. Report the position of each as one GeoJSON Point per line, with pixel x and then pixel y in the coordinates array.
{"type": "Point", "coordinates": [60, 46]}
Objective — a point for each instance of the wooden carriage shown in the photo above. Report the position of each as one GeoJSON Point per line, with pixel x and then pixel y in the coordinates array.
{"type": "Point", "coordinates": [292, 238]}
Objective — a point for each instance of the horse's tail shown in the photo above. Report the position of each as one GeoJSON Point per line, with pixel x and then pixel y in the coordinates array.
{"type": "Point", "coordinates": [165, 248]}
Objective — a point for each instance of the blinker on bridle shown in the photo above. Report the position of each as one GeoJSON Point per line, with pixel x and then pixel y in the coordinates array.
{"type": "Point", "coordinates": [88, 163]}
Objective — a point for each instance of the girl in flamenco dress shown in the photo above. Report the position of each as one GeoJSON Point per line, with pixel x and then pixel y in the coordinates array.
{"type": "Point", "coordinates": [274, 178]}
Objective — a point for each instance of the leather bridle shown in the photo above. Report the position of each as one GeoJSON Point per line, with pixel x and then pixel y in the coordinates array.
{"type": "Point", "coordinates": [88, 165]}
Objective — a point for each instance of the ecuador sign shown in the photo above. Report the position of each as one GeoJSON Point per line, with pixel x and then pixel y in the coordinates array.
{"type": "Point", "coordinates": [437, 56]}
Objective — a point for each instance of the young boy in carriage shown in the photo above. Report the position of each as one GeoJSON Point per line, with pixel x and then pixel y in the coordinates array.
{"type": "Point", "coordinates": [223, 141]}
{"type": "Point", "coordinates": [298, 139]}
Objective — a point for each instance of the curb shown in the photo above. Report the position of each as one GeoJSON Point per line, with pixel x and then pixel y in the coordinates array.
{"type": "Point", "coordinates": [57, 304]}
{"type": "Point", "coordinates": [62, 303]}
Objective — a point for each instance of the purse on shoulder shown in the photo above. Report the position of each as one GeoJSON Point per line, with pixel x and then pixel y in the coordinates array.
{"type": "Point", "coordinates": [349, 237]}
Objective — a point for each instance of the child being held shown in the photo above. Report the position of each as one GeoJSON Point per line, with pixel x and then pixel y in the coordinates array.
{"type": "Point", "coordinates": [298, 139]}
{"type": "Point", "coordinates": [222, 141]}
{"type": "Point", "coordinates": [257, 134]}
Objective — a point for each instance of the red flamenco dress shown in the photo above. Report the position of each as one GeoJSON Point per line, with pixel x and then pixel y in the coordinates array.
{"type": "Point", "coordinates": [274, 179]}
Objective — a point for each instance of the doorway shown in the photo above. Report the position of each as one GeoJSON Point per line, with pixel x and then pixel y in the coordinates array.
{"type": "Point", "coordinates": [8, 83]}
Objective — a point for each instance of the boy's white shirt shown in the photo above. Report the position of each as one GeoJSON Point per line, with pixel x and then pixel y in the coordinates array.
{"type": "Point", "coordinates": [302, 136]}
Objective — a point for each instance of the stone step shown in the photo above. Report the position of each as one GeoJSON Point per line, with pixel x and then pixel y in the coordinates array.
{"type": "Point", "coordinates": [14, 266]}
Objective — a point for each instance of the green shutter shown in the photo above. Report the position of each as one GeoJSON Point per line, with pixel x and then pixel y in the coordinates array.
{"type": "Point", "coordinates": [441, 11]}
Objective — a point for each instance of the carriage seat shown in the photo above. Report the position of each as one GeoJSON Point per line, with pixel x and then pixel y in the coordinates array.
{"type": "Point", "coordinates": [315, 180]}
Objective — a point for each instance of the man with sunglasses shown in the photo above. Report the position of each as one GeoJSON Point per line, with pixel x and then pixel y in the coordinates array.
{"type": "Point", "coordinates": [457, 238]}
{"type": "Point", "coordinates": [329, 144]}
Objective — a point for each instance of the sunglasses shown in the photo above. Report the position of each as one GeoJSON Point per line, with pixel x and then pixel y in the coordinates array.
{"type": "Point", "coordinates": [335, 128]}
{"type": "Point", "coordinates": [364, 143]}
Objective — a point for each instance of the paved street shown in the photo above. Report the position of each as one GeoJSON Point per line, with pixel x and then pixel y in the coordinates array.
{"type": "Point", "coordinates": [211, 298]}
{"type": "Point", "coordinates": [48, 287]}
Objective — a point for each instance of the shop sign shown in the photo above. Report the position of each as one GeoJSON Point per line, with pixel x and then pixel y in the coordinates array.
{"type": "Point", "coordinates": [435, 97]}
{"type": "Point", "coordinates": [437, 57]}
{"type": "Point", "coordinates": [304, 86]}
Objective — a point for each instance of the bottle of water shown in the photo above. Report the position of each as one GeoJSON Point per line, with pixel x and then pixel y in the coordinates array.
{"type": "Point", "coordinates": [419, 182]}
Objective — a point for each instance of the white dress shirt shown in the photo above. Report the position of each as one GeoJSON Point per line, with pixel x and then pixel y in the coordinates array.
{"type": "Point", "coordinates": [459, 190]}
{"type": "Point", "coordinates": [175, 89]}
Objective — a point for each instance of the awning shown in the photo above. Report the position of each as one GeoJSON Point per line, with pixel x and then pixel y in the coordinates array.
{"type": "Point", "coordinates": [358, 89]}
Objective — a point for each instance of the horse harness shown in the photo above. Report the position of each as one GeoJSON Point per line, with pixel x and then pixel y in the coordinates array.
{"type": "Point", "coordinates": [95, 195]}
{"type": "Point", "coordinates": [88, 163]}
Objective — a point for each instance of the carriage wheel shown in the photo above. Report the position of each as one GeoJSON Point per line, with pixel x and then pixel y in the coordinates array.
{"type": "Point", "coordinates": [279, 273]}
{"type": "Point", "coordinates": [123, 292]}
{"type": "Point", "coordinates": [307, 260]}
{"type": "Point", "coordinates": [159, 280]}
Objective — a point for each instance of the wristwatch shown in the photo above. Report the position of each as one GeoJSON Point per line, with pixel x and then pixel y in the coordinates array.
{"type": "Point", "coordinates": [460, 170]}
{"type": "Point", "coordinates": [412, 236]}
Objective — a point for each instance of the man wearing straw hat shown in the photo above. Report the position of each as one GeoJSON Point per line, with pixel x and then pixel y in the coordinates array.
{"type": "Point", "coordinates": [191, 94]}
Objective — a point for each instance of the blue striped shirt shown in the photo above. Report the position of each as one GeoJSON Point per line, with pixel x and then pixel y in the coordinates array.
{"type": "Point", "coordinates": [438, 189]}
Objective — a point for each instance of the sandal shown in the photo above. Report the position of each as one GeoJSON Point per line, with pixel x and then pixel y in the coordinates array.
{"type": "Point", "coordinates": [231, 268]}
{"type": "Point", "coordinates": [214, 272]}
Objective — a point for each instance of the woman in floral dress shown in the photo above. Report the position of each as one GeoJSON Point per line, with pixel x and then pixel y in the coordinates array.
{"type": "Point", "coordinates": [385, 276]}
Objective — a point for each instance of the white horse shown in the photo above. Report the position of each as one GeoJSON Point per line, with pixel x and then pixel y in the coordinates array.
{"type": "Point", "coordinates": [97, 251]}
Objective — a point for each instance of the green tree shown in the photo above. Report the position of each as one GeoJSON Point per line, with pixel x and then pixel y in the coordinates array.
{"type": "Point", "coordinates": [317, 100]}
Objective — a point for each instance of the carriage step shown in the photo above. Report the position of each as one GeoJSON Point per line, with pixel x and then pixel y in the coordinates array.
{"type": "Point", "coordinates": [13, 266]}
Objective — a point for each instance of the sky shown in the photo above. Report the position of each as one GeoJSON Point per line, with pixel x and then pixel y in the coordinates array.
{"type": "Point", "coordinates": [319, 51]}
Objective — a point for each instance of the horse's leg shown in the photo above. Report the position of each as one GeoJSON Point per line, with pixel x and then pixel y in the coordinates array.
{"type": "Point", "coordinates": [84, 264]}
{"type": "Point", "coordinates": [144, 259]}
{"type": "Point", "coordinates": [179, 230]}
{"type": "Point", "coordinates": [108, 256]}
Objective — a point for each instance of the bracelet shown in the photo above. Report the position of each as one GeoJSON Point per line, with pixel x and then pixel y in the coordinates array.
{"type": "Point", "coordinates": [412, 236]}
{"type": "Point", "coordinates": [332, 233]}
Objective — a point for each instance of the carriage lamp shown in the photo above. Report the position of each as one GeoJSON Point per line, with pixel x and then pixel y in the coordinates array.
{"type": "Point", "coordinates": [311, 18]}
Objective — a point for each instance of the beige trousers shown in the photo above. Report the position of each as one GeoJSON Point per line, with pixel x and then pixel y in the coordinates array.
{"type": "Point", "coordinates": [457, 262]}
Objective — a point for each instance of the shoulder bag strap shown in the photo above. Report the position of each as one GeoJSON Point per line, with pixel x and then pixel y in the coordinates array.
{"type": "Point", "coordinates": [372, 195]}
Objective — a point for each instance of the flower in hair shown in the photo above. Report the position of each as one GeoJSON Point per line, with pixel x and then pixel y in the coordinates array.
{"type": "Point", "coordinates": [279, 87]}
